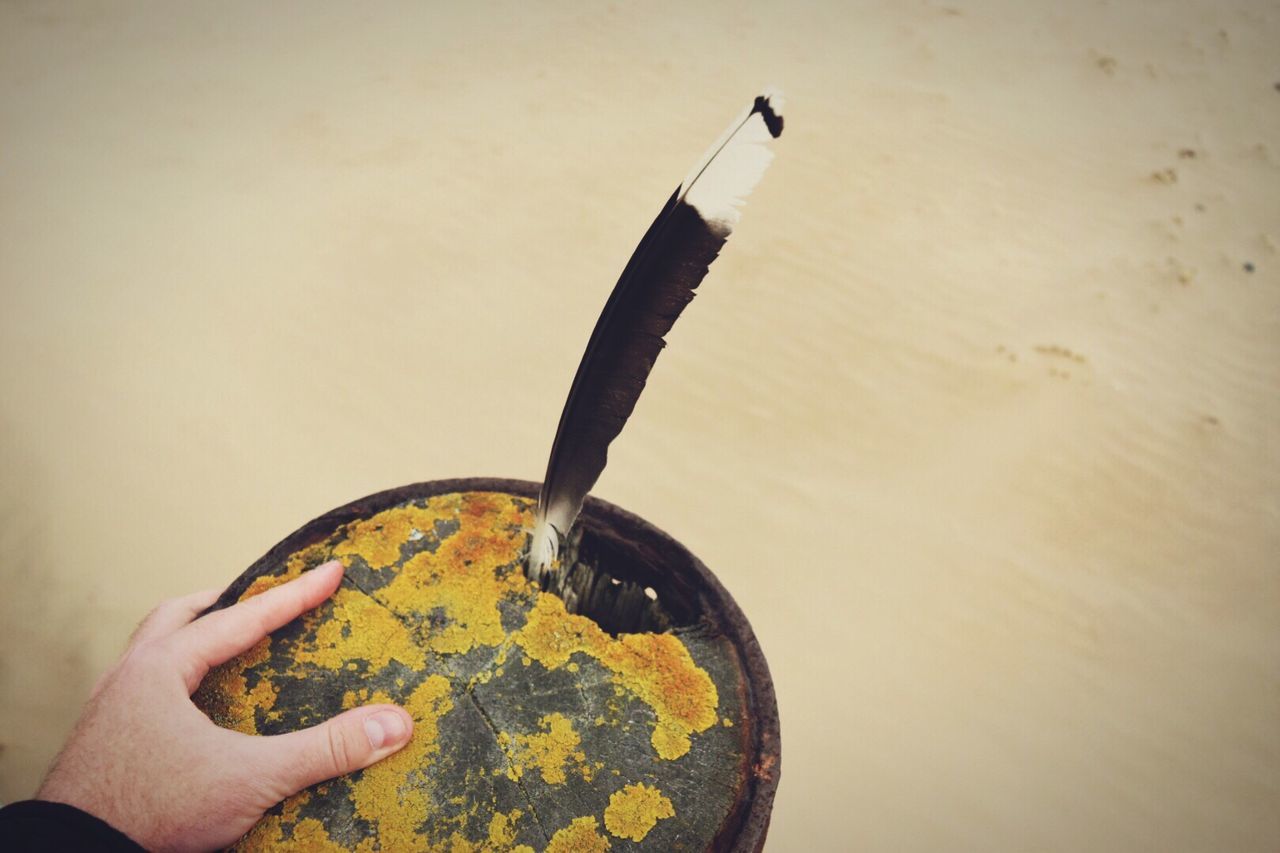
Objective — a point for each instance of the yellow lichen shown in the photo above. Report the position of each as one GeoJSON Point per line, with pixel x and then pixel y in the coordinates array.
{"type": "Point", "coordinates": [552, 634]}
{"type": "Point", "coordinates": [306, 836]}
{"type": "Point", "coordinates": [635, 810]}
{"type": "Point", "coordinates": [656, 668]}
{"type": "Point", "coordinates": [550, 751]}
{"type": "Point", "coordinates": [269, 832]}
{"type": "Point", "coordinates": [580, 836]}
{"type": "Point", "coordinates": [309, 834]}
{"type": "Point", "coordinates": [459, 843]}
{"type": "Point", "coordinates": [466, 596]}
{"type": "Point", "coordinates": [458, 584]}
{"type": "Point", "coordinates": [502, 829]}
{"type": "Point", "coordinates": [226, 695]}
{"type": "Point", "coordinates": [364, 696]}
{"type": "Point", "coordinates": [391, 794]}
{"type": "Point", "coordinates": [299, 561]}
{"type": "Point", "coordinates": [263, 695]}
{"type": "Point", "coordinates": [359, 628]}
{"type": "Point", "coordinates": [293, 806]}
{"type": "Point", "coordinates": [377, 539]}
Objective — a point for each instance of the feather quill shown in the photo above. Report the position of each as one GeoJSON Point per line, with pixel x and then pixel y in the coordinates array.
{"type": "Point", "coordinates": [655, 286]}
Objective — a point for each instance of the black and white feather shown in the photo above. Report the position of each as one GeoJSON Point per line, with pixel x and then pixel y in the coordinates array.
{"type": "Point", "coordinates": [656, 285]}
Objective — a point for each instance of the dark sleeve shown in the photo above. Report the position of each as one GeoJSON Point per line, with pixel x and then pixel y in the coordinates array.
{"type": "Point", "coordinates": [36, 825]}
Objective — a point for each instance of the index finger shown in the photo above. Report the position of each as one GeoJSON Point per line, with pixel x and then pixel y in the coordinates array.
{"type": "Point", "coordinates": [223, 634]}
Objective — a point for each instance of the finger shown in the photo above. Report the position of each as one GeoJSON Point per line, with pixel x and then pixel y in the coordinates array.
{"type": "Point", "coordinates": [223, 634]}
{"type": "Point", "coordinates": [348, 742]}
{"type": "Point", "coordinates": [172, 615]}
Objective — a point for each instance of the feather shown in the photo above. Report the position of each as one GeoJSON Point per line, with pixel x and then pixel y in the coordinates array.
{"type": "Point", "coordinates": [656, 285]}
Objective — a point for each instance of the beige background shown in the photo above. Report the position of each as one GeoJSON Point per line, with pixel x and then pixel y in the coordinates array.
{"type": "Point", "coordinates": [978, 416]}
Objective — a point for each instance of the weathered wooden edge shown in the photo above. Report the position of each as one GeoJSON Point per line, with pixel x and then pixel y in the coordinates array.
{"type": "Point", "coordinates": [745, 829]}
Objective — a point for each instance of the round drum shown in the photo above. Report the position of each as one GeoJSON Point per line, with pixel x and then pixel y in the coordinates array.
{"type": "Point", "coordinates": [620, 702]}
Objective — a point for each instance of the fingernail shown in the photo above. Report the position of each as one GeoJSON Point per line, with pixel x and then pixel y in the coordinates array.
{"type": "Point", "coordinates": [329, 565]}
{"type": "Point", "coordinates": [384, 728]}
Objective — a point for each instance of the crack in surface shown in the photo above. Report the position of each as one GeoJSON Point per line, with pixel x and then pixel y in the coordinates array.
{"type": "Point", "coordinates": [419, 632]}
{"type": "Point", "coordinates": [488, 721]}
{"type": "Point", "coordinates": [349, 579]}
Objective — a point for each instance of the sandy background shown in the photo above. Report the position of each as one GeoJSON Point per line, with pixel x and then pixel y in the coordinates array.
{"type": "Point", "coordinates": [978, 416]}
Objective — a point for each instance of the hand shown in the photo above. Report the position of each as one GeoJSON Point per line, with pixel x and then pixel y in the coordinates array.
{"type": "Point", "coordinates": [146, 760]}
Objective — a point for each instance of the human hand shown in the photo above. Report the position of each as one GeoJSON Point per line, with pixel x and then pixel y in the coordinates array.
{"type": "Point", "coordinates": [147, 761]}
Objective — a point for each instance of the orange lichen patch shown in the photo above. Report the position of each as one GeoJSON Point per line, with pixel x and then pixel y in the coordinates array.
{"type": "Point", "coordinates": [392, 793]}
{"type": "Point", "coordinates": [460, 584]}
{"type": "Point", "coordinates": [480, 509]}
{"type": "Point", "coordinates": [656, 668]}
{"type": "Point", "coordinates": [491, 530]}
{"type": "Point", "coordinates": [550, 751]}
{"type": "Point", "coordinates": [358, 628]}
{"type": "Point", "coordinates": [635, 810]}
{"type": "Point", "coordinates": [481, 515]}
{"type": "Point", "coordinates": [226, 695]}
{"type": "Point", "coordinates": [580, 836]}
{"type": "Point", "coordinates": [377, 539]}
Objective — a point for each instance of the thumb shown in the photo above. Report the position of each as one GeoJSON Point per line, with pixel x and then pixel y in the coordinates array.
{"type": "Point", "coordinates": [348, 742]}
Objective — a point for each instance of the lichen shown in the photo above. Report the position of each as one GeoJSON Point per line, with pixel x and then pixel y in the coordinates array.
{"type": "Point", "coordinates": [286, 833]}
{"type": "Point", "coordinates": [308, 834]}
{"type": "Point", "coordinates": [377, 539]}
{"type": "Point", "coordinates": [358, 629]}
{"type": "Point", "coordinates": [550, 752]}
{"type": "Point", "coordinates": [636, 809]}
{"type": "Point", "coordinates": [465, 597]}
{"type": "Point", "coordinates": [656, 668]}
{"type": "Point", "coordinates": [225, 692]}
{"type": "Point", "coordinates": [392, 794]}
{"type": "Point", "coordinates": [456, 588]}
{"type": "Point", "coordinates": [365, 696]}
{"type": "Point", "coordinates": [580, 836]}
{"type": "Point", "coordinates": [502, 830]}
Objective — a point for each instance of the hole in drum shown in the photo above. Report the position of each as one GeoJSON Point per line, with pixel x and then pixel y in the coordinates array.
{"type": "Point", "coordinates": [616, 587]}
